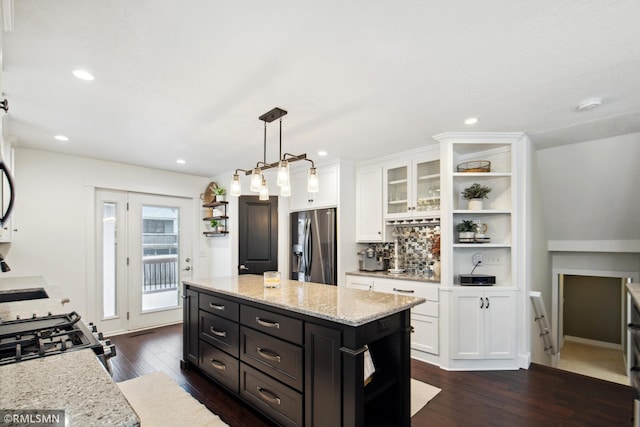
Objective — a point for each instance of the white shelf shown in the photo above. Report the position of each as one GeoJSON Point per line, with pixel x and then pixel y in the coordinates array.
{"type": "Point", "coordinates": [482, 174]}
{"type": "Point", "coordinates": [482, 211]}
{"type": "Point", "coordinates": [427, 177]}
{"type": "Point", "coordinates": [482, 245]}
{"type": "Point", "coordinates": [398, 181]}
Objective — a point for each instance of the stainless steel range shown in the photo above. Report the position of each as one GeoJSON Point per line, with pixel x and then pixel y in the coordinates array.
{"type": "Point", "coordinates": [25, 339]}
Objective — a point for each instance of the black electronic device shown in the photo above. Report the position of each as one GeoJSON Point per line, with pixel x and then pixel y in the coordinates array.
{"type": "Point", "coordinates": [477, 280]}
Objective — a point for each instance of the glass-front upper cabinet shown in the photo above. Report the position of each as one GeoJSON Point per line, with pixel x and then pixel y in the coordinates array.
{"type": "Point", "coordinates": [412, 187]}
{"type": "Point", "coordinates": [397, 186]}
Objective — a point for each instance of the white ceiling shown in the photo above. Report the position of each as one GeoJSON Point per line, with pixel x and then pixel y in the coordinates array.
{"type": "Point", "coordinates": [360, 79]}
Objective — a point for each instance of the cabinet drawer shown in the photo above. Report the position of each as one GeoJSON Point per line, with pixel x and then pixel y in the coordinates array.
{"type": "Point", "coordinates": [219, 306]}
{"type": "Point", "coordinates": [273, 324]}
{"type": "Point", "coordinates": [414, 289]}
{"type": "Point", "coordinates": [280, 402]}
{"type": "Point", "coordinates": [277, 358]}
{"type": "Point", "coordinates": [429, 308]}
{"type": "Point", "coordinates": [220, 332]}
{"type": "Point", "coordinates": [219, 365]}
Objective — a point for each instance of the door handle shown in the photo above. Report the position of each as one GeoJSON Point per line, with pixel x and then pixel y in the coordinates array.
{"type": "Point", "coordinates": [243, 267]}
{"type": "Point", "coordinates": [187, 268]}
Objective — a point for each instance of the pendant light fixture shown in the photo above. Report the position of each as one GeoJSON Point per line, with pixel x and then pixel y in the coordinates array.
{"type": "Point", "coordinates": [283, 177]}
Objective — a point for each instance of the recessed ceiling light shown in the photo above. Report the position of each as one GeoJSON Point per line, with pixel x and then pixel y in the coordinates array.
{"type": "Point", "coordinates": [61, 138]}
{"type": "Point", "coordinates": [471, 121]}
{"type": "Point", "coordinates": [322, 153]}
{"type": "Point", "coordinates": [590, 104]}
{"type": "Point", "coordinates": [181, 161]}
{"type": "Point", "coordinates": [83, 75]}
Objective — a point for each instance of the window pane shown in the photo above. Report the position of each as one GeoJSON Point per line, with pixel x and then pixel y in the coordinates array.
{"type": "Point", "coordinates": [160, 251]}
{"type": "Point", "coordinates": [109, 307]}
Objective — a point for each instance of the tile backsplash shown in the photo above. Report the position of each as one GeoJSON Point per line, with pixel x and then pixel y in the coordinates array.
{"type": "Point", "coordinates": [418, 247]}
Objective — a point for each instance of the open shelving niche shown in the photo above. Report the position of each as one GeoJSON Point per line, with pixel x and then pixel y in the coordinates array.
{"type": "Point", "coordinates": [497, 212]}
{"type": "Point", "coordinates": [223, 218]}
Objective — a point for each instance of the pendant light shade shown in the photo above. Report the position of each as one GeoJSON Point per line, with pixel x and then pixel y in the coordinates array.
{"type": "Point", "coordinates": [283, 173]}
{"type": "Point", "coordinates": [285, 190]}
{"type": "Point", "coordinates": [312, 181]}
{"type": "Point", "coordinates": [256, 180]}
{"type": "Point", "coordinates": [264, 190]}
{"type": "Point", "coordinates": [235, 188]}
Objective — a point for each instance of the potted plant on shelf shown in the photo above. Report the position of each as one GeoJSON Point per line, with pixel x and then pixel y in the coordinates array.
{"type": "Point", "coordinates": [474, 194]}
{"type": "Point", "coordinates": [466, 231]}
{"type": "Point", "coordinates": [216, 226]}
{"type": "Point", "coordinates": [220, 194]}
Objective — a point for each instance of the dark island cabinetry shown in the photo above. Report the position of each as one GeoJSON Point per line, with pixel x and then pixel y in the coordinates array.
{"type": "Point", "coordinates": [296, 368]}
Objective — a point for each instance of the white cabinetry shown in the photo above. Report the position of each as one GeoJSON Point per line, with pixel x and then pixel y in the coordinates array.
{"type": "Point", "coordinates": [483, 325]}
{"type": "Point", "coordinates": [359, 282]}
{"type": "Point", "coordinates": [411, 187]}
{"type": "Point", "coordinates": [326, 197]}
{"type": "Point", "coordinates": [424, 317]}
{"type": "Point", "coordinates": [369, 222]}
{"type": "Point", "coordinates": [481, 320]}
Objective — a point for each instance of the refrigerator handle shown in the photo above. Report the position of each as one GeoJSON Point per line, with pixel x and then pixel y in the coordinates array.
{"type": "Point", "coordinates": [307, 248]}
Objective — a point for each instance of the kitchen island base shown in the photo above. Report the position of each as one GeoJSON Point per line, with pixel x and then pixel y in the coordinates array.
{"type": "Point", "coordinates": [299, 369]}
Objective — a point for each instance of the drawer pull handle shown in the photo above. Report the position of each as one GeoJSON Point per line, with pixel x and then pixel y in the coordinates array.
{"type": "Point", "coordinates": [268, 395]}
{"type": "Point", "coordinates": [406, 291]}
{"type": "Point", "coordinates": [268, 354]}
{"type": "Point", "coordinates": [267, 324]}
{"type": "Point", "coordinates": [218, 333]}
{"type": "Point", "coordinates": [216, 306]}
{"type": "Point", "coordinates": [218, 365]}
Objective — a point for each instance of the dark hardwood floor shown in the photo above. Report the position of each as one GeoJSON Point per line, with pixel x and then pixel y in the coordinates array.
{"type": "Point", "coordinates": [539, 396]}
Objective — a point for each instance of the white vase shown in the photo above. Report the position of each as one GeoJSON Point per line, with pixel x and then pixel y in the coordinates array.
{"type": "Point", "coordinates": [475, 205]}
{"type": "Point", "coordinates": [466, 236]}
{"type": "Point", "coordinates": [436, 268]}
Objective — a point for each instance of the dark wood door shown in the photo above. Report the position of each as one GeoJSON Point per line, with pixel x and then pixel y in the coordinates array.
{"type": "Point", "coordinates": [258, 235]}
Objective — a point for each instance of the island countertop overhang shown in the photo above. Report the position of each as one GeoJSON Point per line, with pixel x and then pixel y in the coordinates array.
{"type": "Point", "coordinates": [352, 307]}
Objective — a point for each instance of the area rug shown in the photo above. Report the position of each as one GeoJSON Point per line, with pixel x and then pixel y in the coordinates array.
{"type": "Point", "coordinates": [421, 394]}
{"type": "Point", "coordinates": [160, 401]}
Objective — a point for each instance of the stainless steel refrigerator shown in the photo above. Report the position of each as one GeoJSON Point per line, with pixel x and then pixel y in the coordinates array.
{"type": "Point", "coordinates": [313, 246]}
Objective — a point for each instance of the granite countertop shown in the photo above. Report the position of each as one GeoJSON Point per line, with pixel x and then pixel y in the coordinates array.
{"type": "Point", "coordinates": [25, 309]}
{"type": "Point", "coordinates": [401, 276]}
{"type": "Point", "coordinates": [353, 307]}
{"type": "Point", "coordinates": [74, 381]}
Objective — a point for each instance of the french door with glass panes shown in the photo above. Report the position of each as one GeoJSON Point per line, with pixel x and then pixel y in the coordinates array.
{"type": "Point", "coordinates": [144, 253]}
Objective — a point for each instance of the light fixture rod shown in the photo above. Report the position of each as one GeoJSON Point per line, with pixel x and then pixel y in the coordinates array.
{"type": "Point", "coordinates": [266, 166]}
{"type": "Point", "coordinates": [264, 145]}
{"type": "Point", "coordinates": [280, 152]}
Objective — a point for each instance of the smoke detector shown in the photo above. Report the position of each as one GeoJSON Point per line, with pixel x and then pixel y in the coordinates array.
{"type": "Point", "coordinates": [590, 104]}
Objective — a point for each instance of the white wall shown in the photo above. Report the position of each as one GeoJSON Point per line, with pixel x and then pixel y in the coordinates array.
{"type": "Point", "coordinates": [54, 216]}
{"type": "Point", "coordinates": [590, 189]}
{"type": "Point", "coordinates": [538, 265]}
{"type": "Point", "coordinates": [590, 205]}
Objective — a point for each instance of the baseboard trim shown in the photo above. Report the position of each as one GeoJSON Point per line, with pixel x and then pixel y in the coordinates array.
{"type": "Point", "coordinates": [596, 343]}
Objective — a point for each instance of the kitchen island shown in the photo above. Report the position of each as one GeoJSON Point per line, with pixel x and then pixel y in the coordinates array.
{"type": "Point", "coordinates": [301, 354]}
